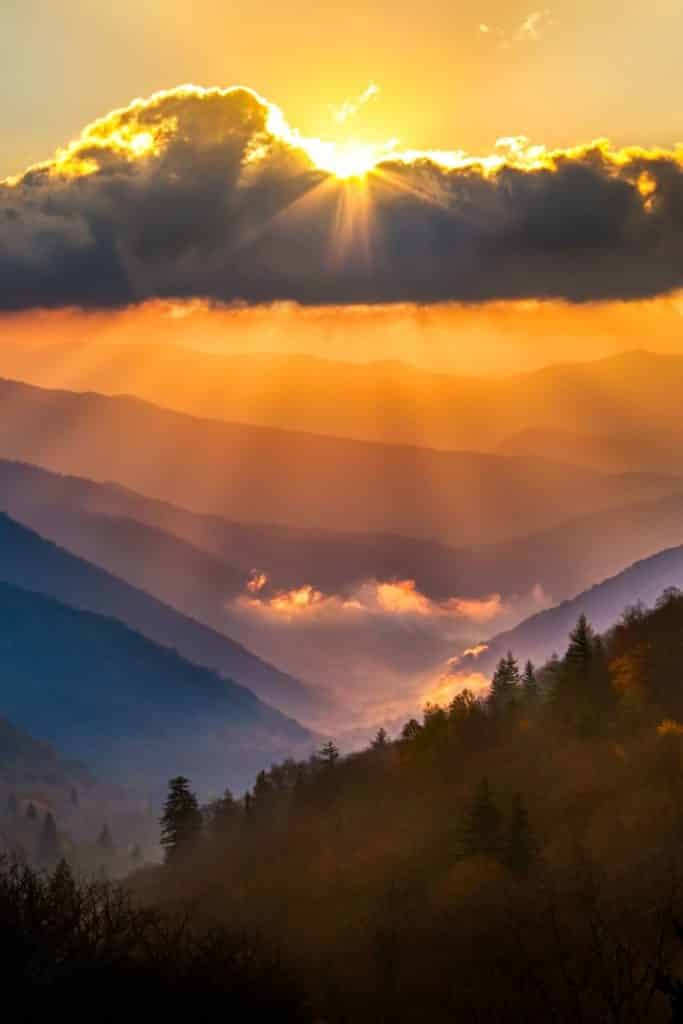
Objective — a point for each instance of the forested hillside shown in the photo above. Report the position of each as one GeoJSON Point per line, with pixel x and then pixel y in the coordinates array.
{"type": "Point", "coordinates": [515, 858]}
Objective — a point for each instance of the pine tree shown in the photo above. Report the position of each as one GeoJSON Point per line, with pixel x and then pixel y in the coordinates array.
{"type": "Point", "coordinates": [520, 847]}
{"type": "Point", "coordinates": [222, 813]}
{"type": "Point", "coordinates": [381, 740]}
{"type": "Point", "coordinates": [48, 844]}
{"type": "Point", "coordinates": [529, 684]}
{"type": "Point", "coordinates": [584, 694]}
{"type": "Point", "coordinates": [580, 650]}
{"type": "Point", "coordinates": [181, 821]}
{"type": "Point", "coordinates": [603, 698]}
{"type": "Point", "coordinates": [479, 833]}
{"type": "Point", "coordinates": [505, 683]}
{"type": "Point", "coordinates": [329, 754]}
{"type": "Point", "coordinates": [411, 730]}
{"type": "Point", "coordinates": [262, 793]}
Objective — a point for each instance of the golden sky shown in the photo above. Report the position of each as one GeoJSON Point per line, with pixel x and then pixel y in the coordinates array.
{"type": "Point", "coordinates": [528, 250]}
{"type": "Point", "coordinates": [448, 74]}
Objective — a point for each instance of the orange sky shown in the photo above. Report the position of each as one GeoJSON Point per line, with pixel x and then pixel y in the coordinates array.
{"type": "Point", "coordinates": [491, 339]}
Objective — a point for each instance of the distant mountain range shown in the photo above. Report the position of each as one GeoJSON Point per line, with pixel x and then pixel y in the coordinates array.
{"type": "Point", "coordinates": [626, 406]}
{"type": "Point", "coordinates": [197, 562]}
{"type": "Point", "coordinates": [546, 633]}
{"type": "Point", "coordinates": [258, 474]}
{"type": "Point", "coordinates": [131, 709]}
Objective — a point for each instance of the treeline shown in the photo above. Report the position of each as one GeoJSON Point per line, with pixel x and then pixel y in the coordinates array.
{"type": "Point", "coordinates": [514, 857]}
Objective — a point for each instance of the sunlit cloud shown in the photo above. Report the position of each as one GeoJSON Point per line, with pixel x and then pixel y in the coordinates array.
{"type": "Point", "coordinates": [209, 194]}
{"type": "Point", "coordinates": [448, 685]}
{"type": "Point", "coordinates": [350, 108]}
{"type": "Point", "coordinates": [256, 582]}
{"type": "Point", "coordinates": [382, 646]}
{"type": "Point", "coordinates": [474, 652]}
{"type": "Point", "coordinates": [373, 597]}
{"type": "Point", "coordinates": [533, 26]}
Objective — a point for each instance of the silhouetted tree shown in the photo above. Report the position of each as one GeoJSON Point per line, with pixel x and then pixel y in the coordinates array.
{"type": "Point", "coordinates": [584, 694]}
{"type": "Point", "coordinates": [73, 795]}
{"type": "Point", "coordinates": [580, 650]}
{"type": "Point", "coordinates": [329, 754]}
{"type": "Point", "coordinates": [529, 684]}
{"type": "Point", "coordinates": [181, 821]}
{"type": "Point", "coordinates": [505, 683]}
{"type": "Point", "coordinates": [221, 813]}
{"type": "Point", "coordinates": [381, 740]}
{"type": "Point", "coordinates": [31, 812]}
{"type": "Point", "coordinates": [411, 730]}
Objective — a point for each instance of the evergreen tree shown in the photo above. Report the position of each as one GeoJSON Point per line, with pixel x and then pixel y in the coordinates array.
{"type": "Point", "coordinates": [381, 740]}
{"type": "Point", "coordinates": [48, 844]}
{"type": "Point", "coordinates": [529, 684]}
{"type": "Point", "coordinates": [520, 847]}
{"type": "Point", "coordinates": [181, 821]}
{"type": "Point", "coordinates": [603, 698]}
{"type": "Point", "coordinates": [262, 793]}
{"type": "Point", "coordinates": [329, 754]}
{"type": "Point", "coordinates": [105, 841]}
{"type": "Point", "coordinates": [479, 833]}
{"type": "Point", "coordinates": [505, 683]}
{"type": "Point", "coordinates": [411, 730]}
{"type": "Point", "coordinates": [580, 650]}
{"type": "Point", "coordinates": [221, 813]}
{"type": "Point", "coordinates": [584, 695]}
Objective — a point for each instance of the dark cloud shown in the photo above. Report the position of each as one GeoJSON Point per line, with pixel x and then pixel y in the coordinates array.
{"type": "Point", "coordinates": [204, 193]}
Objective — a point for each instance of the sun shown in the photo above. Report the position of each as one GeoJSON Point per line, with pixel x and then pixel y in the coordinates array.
{"type": "Point", "coordinates": [344, 159]}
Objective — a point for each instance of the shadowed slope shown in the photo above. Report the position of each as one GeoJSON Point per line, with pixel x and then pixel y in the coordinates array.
{"type": "Point", "coordinates": [27, 560]}
{"type": "Point", "coordinates": [130, 708]}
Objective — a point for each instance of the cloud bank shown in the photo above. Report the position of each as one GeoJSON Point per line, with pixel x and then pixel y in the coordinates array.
{"type": "Point", "coordinates": [208, 194]}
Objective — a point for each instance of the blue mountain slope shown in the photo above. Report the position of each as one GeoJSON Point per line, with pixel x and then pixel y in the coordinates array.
{"type": "Point", "coordinates": [131, 709]}
{"type": "Point", "coordinates": [30, 561]}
